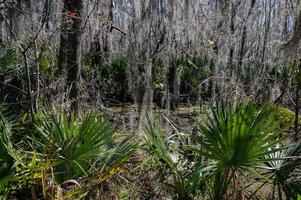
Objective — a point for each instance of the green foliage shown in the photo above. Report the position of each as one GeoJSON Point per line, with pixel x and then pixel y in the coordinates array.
{"type": "Point", "coordinates": [16, 174]}
{"type": "Point", "coordinates": [114, 69]}
{"type": "Point", "coordinates": [236, 138]}
{"type": "Point", "coordinates": [233, 140]}
{"type": "Point", "coordinates": [159, 75]}
{"type": "Point", "coordinates": [283, 168]}
{"type": "Point", "coordinates": [29, 175]}
{"type": "Point", "coordinates": [190, 71]}
{"type": "Point", "coordinates": [195, 71]}
{"type": "Point", "coordinates": [87, 67]}
{"type": "Point", "coordinates": [9, 58]}
{"type": "Point", "coordinates": [46, 59]}
{"type": "Point", "coordinates": [20, 170]}
{"type": "Point", "coordinates": [288, 74]}
{"type": "Point", "coordinates": [110, 77]}
{"type": "Point", "coordinates": [123, 194]}
{"type": "Point", "coordinates": [285, 75]}
{"type": "Point", "coordinates": [119, 66]}
{"type": "Point", "coordinates": [63, 148]}
{"type": "Point", "coordinates": [6, 160]}
{"type": "Point", "coordinates": [12, 77]}
{"type": "Point", "coordinates": [188, 178]}
{"type": "Point", "coordinates": [286, 116]}
{"type": "Point", "coordinates": [79, 149]}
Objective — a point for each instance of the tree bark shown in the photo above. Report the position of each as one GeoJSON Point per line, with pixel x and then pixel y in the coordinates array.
{"type": "Point", "coordinates": [70, 48]}
{"type": "Point", "coordinates": [14, 12]}
{"type": "Point", "coordinates": [243, 40]}
{"type": "Point", "coordinates": [265, 37]}
{"type": "Point", "coordinates": [172, 86]}
{"type": "Point", "coordinates": [297, 107]}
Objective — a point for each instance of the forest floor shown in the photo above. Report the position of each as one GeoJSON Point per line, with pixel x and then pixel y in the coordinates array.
{"type": "Point", "coordinates": [183, 118]}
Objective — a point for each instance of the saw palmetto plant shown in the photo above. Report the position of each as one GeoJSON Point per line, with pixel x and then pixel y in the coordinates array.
{"type": "Point", "coordinates": [80, 148]}
{"type": "Point", "coordinates": [236, 139]}
{"type": "Point", "coordinates": [188, 177]}
{"type": "Point", "coordinates": [6, 160]}
{"type": "Point", "coordinates": [62, 150]}
{"type": "Point", "coordinates": [284, 171]}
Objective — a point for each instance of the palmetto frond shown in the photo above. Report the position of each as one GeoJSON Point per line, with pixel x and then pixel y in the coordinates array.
{"type": "Point", "coordinates": [188, 178]}
{"type": "Point", "coordinates": [282, 167]}
{"type": "Point", "coordinates": [80, 148]}
{"type": "Point", "coordinates": [237, 137]}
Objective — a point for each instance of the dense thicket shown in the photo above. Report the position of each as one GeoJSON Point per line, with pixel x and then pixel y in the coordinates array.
{"type": "Point", "coordinates": [165, 51]}
{"type": "Point", "coordinates": [60, 59]}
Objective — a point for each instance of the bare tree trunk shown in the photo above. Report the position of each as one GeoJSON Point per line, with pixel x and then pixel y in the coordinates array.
{"type": "Point", "coordinates": [266, 35]}
{"type": "Point", "coordinates": [46, 11]}
{"type": "Point", "coordinates": [297, 107]}
{"type": "Point", "coordinates": [14, 12]}
{"type": "Point", "coordinates": [145, 96]}
{"type": "Point", "coordinates": [107, 32]}
{"type": "Point", "coordinates": [232, 14]}
{"type": "Point", "coordinates": [244, 39]}
{"type": "Point", "coordinates": [172, 86]}
{"type": "Point", "coordinates": [2, 24]}
{"type": "Point", "coordinates": [70, 48]}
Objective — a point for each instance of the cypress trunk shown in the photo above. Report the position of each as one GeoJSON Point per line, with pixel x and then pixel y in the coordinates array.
{"type": "Point", "coordinates": [70, 48]}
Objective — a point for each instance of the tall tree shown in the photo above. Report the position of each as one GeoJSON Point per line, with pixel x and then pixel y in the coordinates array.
{"type": "Point", "coordinates": [172, 79]}
{"type": "Point", "coordinates": [70, 48]}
